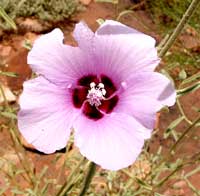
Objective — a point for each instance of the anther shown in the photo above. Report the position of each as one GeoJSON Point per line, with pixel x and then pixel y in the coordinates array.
{"type": "Point", "coordinates": [96, 94]}
{"type": "Point", "coordinates": [101, 85]}
{"type": "Point", "coordinates": [92, 85]}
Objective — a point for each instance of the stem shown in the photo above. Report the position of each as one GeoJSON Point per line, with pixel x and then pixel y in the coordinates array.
{"type": "Point", "coordinates": [193, 158]}
{"type": "Point", "coordinates": [88, 178]}
{"type": "Point", "coordinates": [184, 134]}
{"type": "Point", "coordinates": [169, 155]}
{"type": "Point", "coordinates": [9, 20]}
{"type": "Point", "coordinates": [179, 27]}
{"type": "Point", "coordinates": [182, 112]}
{"type": "Point", "coordinates": [69, 183]}
{"type": "Point", "coordinates": [167, 177]}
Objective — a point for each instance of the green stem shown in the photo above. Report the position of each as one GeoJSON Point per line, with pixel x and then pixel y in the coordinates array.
{"type": "Point", "coordinates": [182, 111]}
{"type": "Point", "coordinates": [88, 178]}
{"type": "Point", "coordinates": [193, 158]}
{"type": "Point", "coordinates": [69, 183]}
{"type": "Point", "coordinates": [173, 148]}
{"type": "Point", "coordinates": [9, 20]}
{"type": "Point", "coordinates": [184, 134]}
{"type": "Point", "coordinates": [179, 27]}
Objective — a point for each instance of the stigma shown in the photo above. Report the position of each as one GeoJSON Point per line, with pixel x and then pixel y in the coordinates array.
{"type": "Point", "coordinates": [96, 94]}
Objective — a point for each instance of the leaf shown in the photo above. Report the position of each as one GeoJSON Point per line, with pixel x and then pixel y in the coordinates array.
{"type": "Point", "coordinates": [172, 125]}
{"type": "Point", "coordinates": [124, 13]}
{"type": "Point", "coordinates": [7, 18]}
{"type": "Point", "coordinates": [10, 74]}
{"type": "Point", "coordinates": [18, 192]}
{"type": "Point", "coordinates": [107, 1]}
{"type": "Point", "coordinates": [192, 78]}
{"type": "Point", "coordinates": [8, 115]}
{"type": "Point", "coordinates": [188, 89]}
{"type": "Point", "coordinates": [100, 21]}
{"type": "Point", "coordinates": [143, 184]}
{"type": "Point", "coordinates": [158, 194]}
{"type": "Point", "coordinates": [182, 74]}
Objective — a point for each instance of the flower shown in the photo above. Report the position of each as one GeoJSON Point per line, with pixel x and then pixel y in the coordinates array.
{"type": "Point", "coordinates": [106, 89]}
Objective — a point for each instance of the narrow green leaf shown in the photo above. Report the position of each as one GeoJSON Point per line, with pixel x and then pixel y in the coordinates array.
{"type": "Point", "coordinates": [158, 194]}
{"type": "Point", "coordinates": [196, 170]}
{"type": "Point", "coordinates": [124, 13]}
{"type": "Point", "coordinates": [172, 125]}
{"type": "Point", "coordinates": [18, 192]}
{"type": "Point", "coordinates": [5, 16]}
{"type": "Point", "coordinates": [143, 184]}
{"type": "Point", "coordinates": [107, 1]}
{"type": "Point", "coordinates": [188, 89]}
{"type": "Point", "coordinates": [100, 21]}
{"type": "Point", "coordinates": [10, 74]}
{"type": "Point", "coordinates": [192, 78]}
{"type": "Point", "coordinates": [194, 189]}
{"type": "Point", "coordinates": [9, 115]}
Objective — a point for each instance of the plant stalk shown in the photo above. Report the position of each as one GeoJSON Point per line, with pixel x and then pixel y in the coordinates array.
{"type": "Point", "coordinates": [88, 178]}
{"type": "Point", "coordinates": [69, 183]}
{"type": "Point", "coordinates": [179, 28]}
{"type": "Point", "coordinates": [184, 134]}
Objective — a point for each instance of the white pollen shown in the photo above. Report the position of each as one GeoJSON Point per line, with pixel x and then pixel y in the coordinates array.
{"type": "Point", "coordinates": [92, 85]}
{"type": "Point", "coordinates": [104, 92]}
{"type": "Point", "coordinates": [96, 94]}
{"type": "Point", "coordinates": [101, 85]}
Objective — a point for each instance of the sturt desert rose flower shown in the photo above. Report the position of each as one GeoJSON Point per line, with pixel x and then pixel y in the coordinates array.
{"type": "Point", "coordinates": [106, 89]}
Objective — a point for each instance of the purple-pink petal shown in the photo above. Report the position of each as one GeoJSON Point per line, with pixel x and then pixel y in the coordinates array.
{"type": "Point", "coordinates": [142, 108]}
{"type": "Point", "coordinates": [114, 142]}
{"type": "Point", "coordinates": [125, 50]}
{"type": "Point", "coordinates": [117, 50]}
{"type": "Point", "coordinates": [151, 85]}
{"type": "Point", "coordinates": [142, 95]}
{"type": "Point", "coordinates": [59, 63]}
{"type": "Point", "coordinates": [84, 37]}
{"type": "Point", "coordinates": [46, 115]}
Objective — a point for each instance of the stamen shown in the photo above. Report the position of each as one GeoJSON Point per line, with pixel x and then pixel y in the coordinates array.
{"type": "Point", "coordinates": [96, 94]}
{"type": "Point", "coordinates": [92, 85]}
{"type": "Point", "coordinates": [101, 85]}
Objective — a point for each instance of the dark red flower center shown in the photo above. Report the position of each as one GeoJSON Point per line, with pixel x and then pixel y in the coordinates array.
{"type": "Point", "coordinates": [80, 93]}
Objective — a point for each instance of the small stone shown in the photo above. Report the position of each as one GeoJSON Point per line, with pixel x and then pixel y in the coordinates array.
{"type": "Point", "coordinates": [31, 24]}
{"type": "Point", "coordinates": [8, 159]}
{"type": "Point", "coordinates": [10, 97]}
{"type": "Point", "coordinates": [180, 184]}
{"type": "Point", "coordinates": [85, 2]}
{"type": "Point", "coordinates": [5, 51]}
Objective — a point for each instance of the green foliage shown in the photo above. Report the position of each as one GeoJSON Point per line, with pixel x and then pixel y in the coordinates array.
{"type": "Point", "coordinates": [48, 10]}
{"type": "Point", "coordinates": [7, 18]}
{"type": "Point", "coordinates": [182, 64]}
{"type": "Point", "coordinates": [169, 12]}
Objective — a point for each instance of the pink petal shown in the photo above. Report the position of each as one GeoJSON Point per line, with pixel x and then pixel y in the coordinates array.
{"type": "Point", "coordinates": [142, 108]}
{"type": "Point", "coordinates": [84, 36]}
{"type": "Point", "coordinates": [46, 115]}
{"type": "Point", "coordinates": [122, 51]}
{"type": "Point", "coordinates": [62, 64]}
{"type": "Point", "coordinates": [152, 85]}
{"type": "Point", "coordinates": [117, 50]}
{"type": "Point", "coordinates": [113, 142]}
{"type": "Point", "coordinates": [144, 95]}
